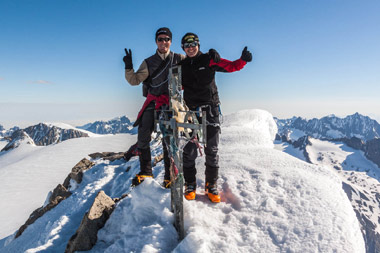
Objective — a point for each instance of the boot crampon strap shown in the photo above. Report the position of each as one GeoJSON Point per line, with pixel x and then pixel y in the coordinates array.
{"type": "Point", "coordinates": [138, 179]}
{"type": "Point", "coordinates": [166, 184]}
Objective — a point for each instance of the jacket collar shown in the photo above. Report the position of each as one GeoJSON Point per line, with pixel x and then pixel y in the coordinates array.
{"type": "Point", "coordinates": [195, 57]}
{"type": "Point", "coordinates": [163, 56]}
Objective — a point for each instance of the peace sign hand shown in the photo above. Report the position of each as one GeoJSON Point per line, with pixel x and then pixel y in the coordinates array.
{"type": "Point", "coordinates": [128, 59]}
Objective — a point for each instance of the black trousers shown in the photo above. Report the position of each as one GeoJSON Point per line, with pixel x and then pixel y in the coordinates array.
{"type": "Point", "coordinates": [144, 133]}
{"type": "Point", "coordinates": [211, 150]}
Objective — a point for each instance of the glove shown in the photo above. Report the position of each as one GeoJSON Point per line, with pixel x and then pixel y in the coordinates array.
{"type": "Point", "coordinates": [246, 55]}
{"type": "Point", "coordinates": [128, 59]}
{"type": "Point", "coordinates": [214, 55]}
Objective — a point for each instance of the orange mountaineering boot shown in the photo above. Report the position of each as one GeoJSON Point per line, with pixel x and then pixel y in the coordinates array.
{"type": "Point", "coordinates": [190, 191]}
{"type": "Point", "coordinates": [212, 192]}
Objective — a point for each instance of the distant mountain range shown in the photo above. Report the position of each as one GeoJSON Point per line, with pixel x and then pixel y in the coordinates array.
{"type": "Point", "coordinates": [41, 135]}
{"type": "Point", "coordinates": [45, 134]}
{"type": "Point", "coordinates": [114, 126]}
{"type": "Point", "coordinates": [357, 131]}
{"type": "Point", "coordinates": [332, 127]}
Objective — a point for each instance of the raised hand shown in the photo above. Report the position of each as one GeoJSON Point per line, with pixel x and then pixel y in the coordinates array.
{"type": "Point", "coordinates": [214, 55]}
{"type": "Point", "coordinates": [128, 59]}
{"type": "Point", "coordinates": [246, 55]}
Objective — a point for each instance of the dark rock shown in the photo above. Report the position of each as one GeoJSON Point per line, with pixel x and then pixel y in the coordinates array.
{"type": "Point", "coordinates": [353, 142]}
{"type": "Point", "coordinates": [86, 235]}
{"type": "Point", "coordinates": [372, 151]}
{"type": "Point", "coordinates": [363, 213]}
{"type": "Point", "coordinates": [16, 139]}
{"type": "Point", "coordinates": [285, 138]}
{"type": "Point", "coordinates": [77, 171]}
{"type": "Point", "coordinates": [98, 155]}
{"type": "Point", "coordinates": [302, 142]}
{"type": "Point", "coordinates": [59, 191]}
{"type": "Point", "coordinates": [111, 156]}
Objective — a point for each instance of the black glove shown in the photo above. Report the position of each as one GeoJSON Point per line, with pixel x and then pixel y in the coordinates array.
{"type": "Point", "coordinates": [214, 55]}
{"type": "Point", "coordinates": [128, 59]}
{"type": "Point", "coordinates": [246, 55]}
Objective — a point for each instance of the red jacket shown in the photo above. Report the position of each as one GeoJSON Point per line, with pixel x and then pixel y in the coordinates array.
{"type": "Point", "coordinates": [160, 100]}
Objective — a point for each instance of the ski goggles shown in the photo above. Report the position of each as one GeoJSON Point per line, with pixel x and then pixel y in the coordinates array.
{"type": "Point", "coordinates": [166, 39]}
{"type": "Point", "coordinates": [191, 44]}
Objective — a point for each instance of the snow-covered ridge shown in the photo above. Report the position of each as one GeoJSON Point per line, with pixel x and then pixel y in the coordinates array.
{"type": "Point", "coordinates": [271, 202]}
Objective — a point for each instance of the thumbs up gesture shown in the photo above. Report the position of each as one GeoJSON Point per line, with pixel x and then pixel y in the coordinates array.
{"type": "Point", "coordinates": [246, 55]}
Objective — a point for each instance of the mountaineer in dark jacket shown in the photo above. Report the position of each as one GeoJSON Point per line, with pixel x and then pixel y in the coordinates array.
{"type": "Point", "coordinates": [201, 93]}
{"type": "Point", "coordinates": [153, 72]}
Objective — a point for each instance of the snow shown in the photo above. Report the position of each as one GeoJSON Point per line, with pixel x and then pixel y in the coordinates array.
{"type": "Point", "coordinates": [339, 155]}
{"type": "Point", "coordinates": [289, 149]}
{"type": "Point", "coordinates": [295, 134]}
{"type": "Point", "coordinates": [3, 143]}
{"type": "Point", "coordinates": [271, 202]}
{"type": "Point", "coordinates": [335, 134]}
{"type": "Point", "coordinates": [29, 172]}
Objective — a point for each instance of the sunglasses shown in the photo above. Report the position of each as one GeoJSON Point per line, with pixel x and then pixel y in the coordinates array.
{"type": "Point", "coordinates": [191, 44]}
{"type": "Point", "coordinates": [163, 39]}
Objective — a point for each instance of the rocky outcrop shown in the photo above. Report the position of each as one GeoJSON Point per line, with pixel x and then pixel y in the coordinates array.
{"type": "Point", "coordinates": [16, 139]}
{"type": "Point", "coordinates": [301, 144]}
{"type": "Point", "coordinates": [77, 172]}
{"type": "Point", "coordinates": [86, 235]}
{"type": "Point", "coordinates": [59, 193]}
{"type": "Point", "coordinates": [372, 151]}
{"type": "Point", "coordinates": [353, 142]}
{"type": "Point", "coordinates": [111, 156]}
{"type": "Point", "coordinates": [367, 207]}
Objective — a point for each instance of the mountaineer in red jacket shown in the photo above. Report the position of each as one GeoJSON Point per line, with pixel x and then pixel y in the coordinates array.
{"type": "Point", "coordinates": [201, 93]}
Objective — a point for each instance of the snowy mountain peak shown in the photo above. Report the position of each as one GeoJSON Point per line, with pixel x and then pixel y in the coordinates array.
{"type": "Point", "coordinates": [19, 137]}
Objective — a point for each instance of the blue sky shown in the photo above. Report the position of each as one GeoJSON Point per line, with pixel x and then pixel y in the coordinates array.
{"type": "Point", "coordinates": [62, 60]}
